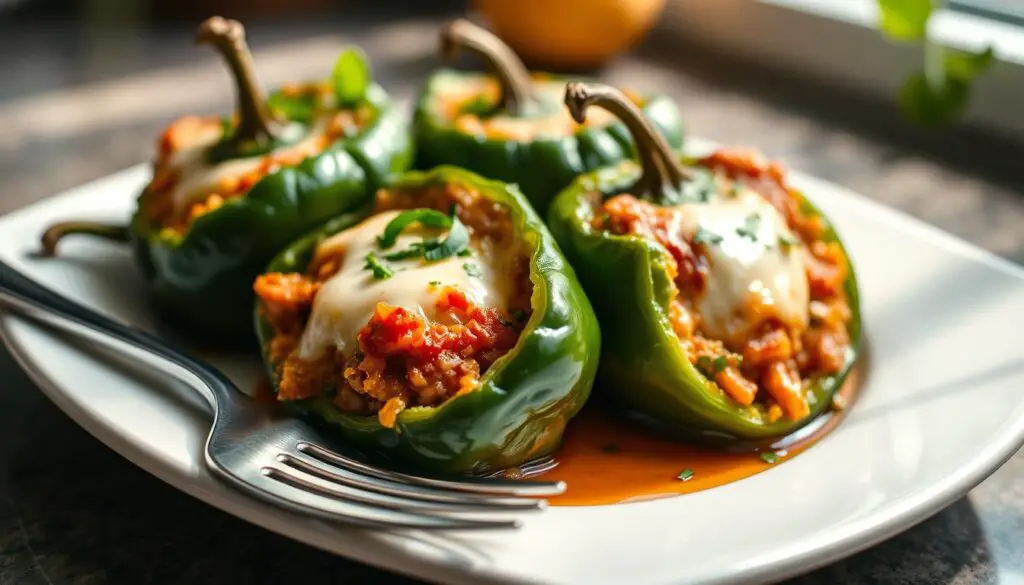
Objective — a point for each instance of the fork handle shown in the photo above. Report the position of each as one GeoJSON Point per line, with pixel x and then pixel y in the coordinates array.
{"type": "Point", "coordinates": [37, 302]}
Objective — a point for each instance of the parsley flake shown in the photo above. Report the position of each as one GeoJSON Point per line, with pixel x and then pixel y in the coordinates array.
{"type": "Point", "coordinates": [719, 363]}
{"type": "Point", "coordinates": [787, 241]}
{"type": "Point", "coordinates": [435, 283]}
{"type": "Point", "coordinates": [769, 457]}
{"type": "Point", "coordinates": [685, 475]}
{"type": "Point", "coordinates": [704, 363]}
{"type": "Point", "coordinates": [750, 227]}
{"type": "Point", "coordinates": [706, 237]}
{"type": "Point", "coordinates": [380, 271]}
{"type": "Point", "coordinates": [472, 270]}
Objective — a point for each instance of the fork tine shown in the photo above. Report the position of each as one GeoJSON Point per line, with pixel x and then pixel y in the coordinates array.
{"type": "Point", "coordinates": [528, 469]}
{"type": "Point", "coordinates": [441, 500]}
{"type": "Point", "coordinates": [483, 486]}
{"type": "Point", "coordinates": [330, 504]}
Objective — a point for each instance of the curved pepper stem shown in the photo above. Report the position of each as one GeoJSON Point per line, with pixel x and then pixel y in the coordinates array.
{"type": "Point", "coordinates": [514, 79]}
{"type": "Point", "coordinates": [56, 232]}
{"type": "Point", "coordinates": [663, 176]}
{"type": "Point", "coordinates": [255, 124]}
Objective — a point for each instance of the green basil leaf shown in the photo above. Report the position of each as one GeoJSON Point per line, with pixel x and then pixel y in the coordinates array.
{"type": "Point", "coordinates": [351, 77]}
{"type": "Point", "coordinates": [426, 217]}
{"type": "Point", "coordinates": [905, 20]}
{"type": "Point", "coordinates": [455, 243]}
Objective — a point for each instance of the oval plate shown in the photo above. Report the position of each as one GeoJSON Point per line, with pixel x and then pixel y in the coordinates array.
{"type": "Point", "coordinates": [937, 414]}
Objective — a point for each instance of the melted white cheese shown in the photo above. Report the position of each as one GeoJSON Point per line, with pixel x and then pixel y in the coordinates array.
{"type": "Point", "coordinates": [197, 178]}
{"type": "Point", "coordinates": [748, 268]}
{"type": "Point", "coordinates": [346, 301]}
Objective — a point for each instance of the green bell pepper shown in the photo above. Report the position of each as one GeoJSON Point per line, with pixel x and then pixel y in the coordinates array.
{"type": "Point", "coordinates": [201, 277]}
{"type": "Point", "coordinates": [542, 165]}
{"type": "Point", "coordinates": [644, 367]}
{"type": "Point", "coordinates": [523, 401]}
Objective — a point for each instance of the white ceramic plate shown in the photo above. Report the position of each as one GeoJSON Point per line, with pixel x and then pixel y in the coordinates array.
{"type": "Point", "coordinates": [941, 408]}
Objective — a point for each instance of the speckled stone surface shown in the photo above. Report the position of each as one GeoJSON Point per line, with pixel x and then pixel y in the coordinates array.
{"type": "Point", "coordinates": [73, 512]}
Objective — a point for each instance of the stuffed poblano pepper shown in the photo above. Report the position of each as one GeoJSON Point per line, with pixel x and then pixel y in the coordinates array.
{"type": "Point", "coordinates": [728, 306]}
{"type": "Point", "coordinates": [228, 194]}
{"type": "Point", "coordinates": [444, 328]}
{"type": "Point", "coordinates": [512, 126]}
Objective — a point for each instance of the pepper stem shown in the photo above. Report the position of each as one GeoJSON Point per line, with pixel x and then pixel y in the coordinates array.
{"type": "Point", "coordinates": [56, 232]}
{"type": "Point", "coordinates": [513, 77]}
{"type": "Point", "coordinates": [255, 121]}
{"type": "Point", "coordinates": [662, 174]}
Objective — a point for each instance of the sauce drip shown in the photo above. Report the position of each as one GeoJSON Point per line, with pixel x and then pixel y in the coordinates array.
{"type": "Point", "coordinates": [606, 460]}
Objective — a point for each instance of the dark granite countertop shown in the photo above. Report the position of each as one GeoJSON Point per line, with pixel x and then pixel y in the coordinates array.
{"type": "Point", "coordinates": [74, 512]}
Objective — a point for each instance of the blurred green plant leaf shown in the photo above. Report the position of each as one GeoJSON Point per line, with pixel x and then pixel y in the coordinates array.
{"type": "Point", "coordinates": [929, 104]}
{"type": "Point", "coordinates": [352, 76]}
{"type": "Point", "coordinates": [965, 66]}
{"type": "Point", "coordinates": [932, 100]}
{"type": "Point", "coordinates": [905, 20]}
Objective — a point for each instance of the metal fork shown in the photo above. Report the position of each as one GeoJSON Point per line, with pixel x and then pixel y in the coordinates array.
{"type": "Point", "coordinates": [283, 460]}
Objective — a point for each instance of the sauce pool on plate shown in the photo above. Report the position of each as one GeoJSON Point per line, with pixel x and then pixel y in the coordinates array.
{"type": "Point", "coordinates": [605, 460]}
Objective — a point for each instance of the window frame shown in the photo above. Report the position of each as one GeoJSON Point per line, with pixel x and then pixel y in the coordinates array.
{"type": "Point", "coordinates": [838, 42]}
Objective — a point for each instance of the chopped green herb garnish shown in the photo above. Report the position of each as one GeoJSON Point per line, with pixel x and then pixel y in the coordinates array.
{"type": "Point", "coordinates": [787, 241]}
{"type": "Point", "coordinates": [426, 217]}
{"type": "Point", "coordinates": [685, 475]}
{"type": "Point", "coordinates": [750, 227]}
{"type": "Point", "coordinates": [464, 253]}
{"type": "Point", "coordinates": [480, 105]}
{"type": "Point", "coordinates": [769, 457]}
{"type": "Point", "coordinates": [737, 188]}
{"type": "Point", "coordinates": [719, 363]}
{"type": "Point", "coordinates": [380, 271]}
{"type": "Point", "coordinates": [455, 243]}
{"type": "Point", "coordinates": [413, 251]}
{"type": "Point", "coordinates": [610, 448]}
{"type": "Point", "coordinates": [297, 108]}
{"type": "Point", "coordinates": [227, 128]}
{"type": "Point", "coordinates": [471, 269]}
{"type": "Point", "coordinates": [704, 363]}
{"type": "Point", "coordinates": [435, 283]}
{"type": "Point", "coordinates": [706, 237]}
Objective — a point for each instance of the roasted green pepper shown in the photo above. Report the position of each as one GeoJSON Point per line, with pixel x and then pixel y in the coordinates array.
{"type": "Point", "coordinates": [521, 403]}
{"type": "Point", "coordinates": [632, 277]}
{"type": "Point", "coordinates": [517, 130]}
{"type": "Point", "coordinates": [293, 160]}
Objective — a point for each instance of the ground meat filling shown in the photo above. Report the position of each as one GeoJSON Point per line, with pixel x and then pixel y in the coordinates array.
{"type": "Point", "coordinates": [186, 132]}
{"type": "Point", "coordinates": [402, 360]}
{"type": "Point", "coordinates": [770, 368]}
